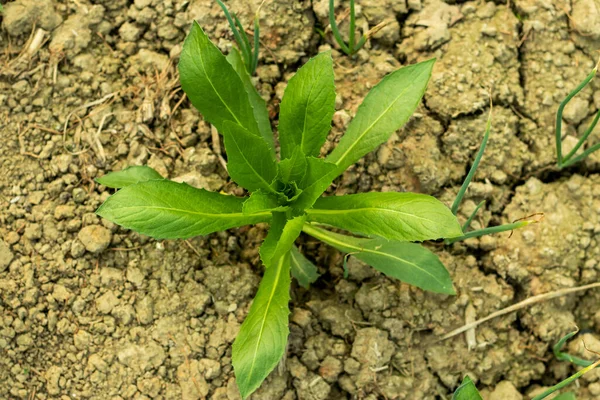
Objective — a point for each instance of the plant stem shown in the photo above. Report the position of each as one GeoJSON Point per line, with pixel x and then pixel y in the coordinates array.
{"type": "Point", "coordinates": [334, 28]}
{"type": "Point", "coordinates": [469, 178]}
{"type": "Point", "coordinates": [583, 138]}
{"type": "Point", "coordinates": [489, 231]}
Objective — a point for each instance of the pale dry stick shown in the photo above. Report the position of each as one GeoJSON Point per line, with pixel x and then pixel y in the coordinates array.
{"type": "Point", "coordinates": [216, 144]}
{"type": "Point", "coordinates": [97, 136]}
{"type": "Point", "coordinates": [523, 304]}
{"type": "Point", "coordinates": [83, 107]}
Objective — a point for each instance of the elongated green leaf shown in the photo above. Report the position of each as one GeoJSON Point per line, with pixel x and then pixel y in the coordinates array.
{"type": "Point", "coordinates": [303, 270]}
{"type": "Point", "coordinates": [385, 109]}
{"type": "Point", "coordinates": [408, 262]}
{"type": "Point", "coordinates": [259, 107]}
{"type": "Point", "coordinates": [128, 176]}
{"type": "Point", "coordinates": [263, 336]}
{"type": "Point", "coordinates": [261, 201]}
{"type": "Point", "coordinates": [319, 175]}
{"type": "Point", "coordinates": [281, 237]}
{"type": "Point", "coordinates": [395, 216]}
{"type": "Point", "coordinates": [566, 396]}
{"type": "Point", "coordinates": [467, 391]}
{"type": "Point", "coordinates": [212, 85]}
{"type": "Point", "coordinates": [292, 169]}
{"type": "Point", "coordinates": [170, 210]}
{"type": "Point", "coordinates": [307, 107]}
{"type": "Point", "coordinates": [248, 158]}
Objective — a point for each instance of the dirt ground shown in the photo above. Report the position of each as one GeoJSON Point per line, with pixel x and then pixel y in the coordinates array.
{"type": "Point", "coordinates": [92, 311]}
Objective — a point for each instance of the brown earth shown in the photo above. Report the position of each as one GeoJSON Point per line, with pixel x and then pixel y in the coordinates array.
{"type": "Point", "coordinates": [89, 310]}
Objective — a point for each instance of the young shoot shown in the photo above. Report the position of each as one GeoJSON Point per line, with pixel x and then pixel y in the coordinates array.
{"type": "Point", "coordinates": [467, 234]}
{"type": "Point", "coordinates": [249, 52]}
{"type": "Point", "coordinates": [287, 191]}
{"type": "Point", "coordinates": [352, 46]}
{"type": "Point", "coordinates": [564, 161]}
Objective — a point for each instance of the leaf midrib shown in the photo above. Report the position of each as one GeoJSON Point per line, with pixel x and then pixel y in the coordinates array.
{"type": "Point", "coordinates": [363, 209]}
{"type": "Point", "coordinates": [222, 215]}
{"type": "Point", "coordinates": [264, 318]}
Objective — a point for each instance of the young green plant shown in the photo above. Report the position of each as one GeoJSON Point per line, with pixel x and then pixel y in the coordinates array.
{"type": "Point", "coordinates": [468, 234]}
{"type": "Point", "coordinates": [249, 52]}
{"type": "Point", "coordinates": [287, 191]}
{"type": "Point", "coordinates": [468, 391]}
{"type": "Point", "coordinates": [352, 46]}
{"type": "Point", "coordinates": [564, 161]}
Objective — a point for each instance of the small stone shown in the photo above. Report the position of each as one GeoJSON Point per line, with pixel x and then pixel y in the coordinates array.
{"type": "Point", "coordinates": [21, 15]}
{"type": "Point", "coordinates": [330, 369]}
{"type": "Point", "coordinates": [53, 375]}
{"type": "Point", "coordinates": [372, 347]}
{"type": "Point", "coordinates": [576, 111]}
{"type": "Point", "coordinates": [33, 232]}
{"type": "Point", "coordinates": [505, 391]}
{"type": "Point", "coordinates": [111, 277]}
{"type": "Point", "coordinates": [6, 256]}
{"type": "Point", "coordinates": [77, 249]}
{"type": "Point", "coordinates": [79, 195]}
{"type": "Point", "coordinates": [144, 309]}
{"type": "Point", "coordinates": [107, 302]}
{"type": "Point", "coordinates": [64, 212]}
{"type": "Point", "coordinates": [135, 276]}
{"type": "Point", "coordinates": [193, 385]}
{"type": "Point", "coordinates": [149, 386]}
{"type": "Point", "coordinates": [25, 340]}
{"type": "Point", "coordinates": [82, 339]}
{"type": "Point", "coordinates": [95, 238]}
{"type": "Point", "coordinates": [124, 314]}
{"type": "Point", "coordinates": [150, 355]}
{"type": "Point", "coordinates": [211, 368]}
{"type": "Point", "coordinates": [130, 32]}
{"type": "Point", "coordinates": [11, 238]}
{"type": "Point", "coordinates": [61, 293]}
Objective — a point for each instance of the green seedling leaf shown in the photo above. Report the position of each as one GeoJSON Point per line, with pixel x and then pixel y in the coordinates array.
{"type": "Point", "coordinates": [467, 391]}
{"type": "Point", "coordinates": [263, 336]}
{"type": "Point", "coordinates": [385, 109]}
{"type": "Point", "coordinates": [408, 262]}
{"type": "Point", "coordinates": [212, 84]}
{"type": "Point", "coordinates": [307, 107]}
{"type": "Point", "coordinates": [169, 210]}
{"type": "Point", "coordinates": [281, 237]}
{"type": "Point", "coordinates": [259, 106]}
{"type": "Point", "coordinates": [394, 216]}
{"type": "Point", "coordinates": [128, 176]}
{"type": "Point", "coordinates": [559, 354]}
{"type": "Point", "coordinates": [566, 396]}
{"type": "Point", "coordinates": [303, 270]}
{"type": "Point", "coordinates": [249, 161]}
{"type": "Point", "coordinates": [319, 175]}
{"type": "Point", "coordinates": [292, 169]}
{"type": "Point", "coordinates": [260, 201]}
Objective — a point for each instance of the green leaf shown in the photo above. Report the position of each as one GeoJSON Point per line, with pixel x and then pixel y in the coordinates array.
{"type": "Point", "coordinates": [408, 217]}
{"type": "Point", "coordinates": [292, 169]}
{"type": "Point", "coordinates": [307, 107]}
{"type": "Point", "coordinates": [303, 270]}
{"type": "Point", "coordinates": [170, 210]}
{"type": "Point", "coordinates": [263, 336]}
{"type": "Point", "coordinates": [212, 84]}
{"type": "Point", "coordinates": [281, 237]}
{"type": "Point", "coordinates": [385, 109]}
{"type": "Point", "coordinates": [261, 201]}
{"type": "Point", "coordinates": [128, 176]}
{"type": "Point", "coordinates": [319, 175]}
{"type": "Point", "coordinates": [248, 158]}
{"type": "Point", "coordinates": [259, 107]}
{"type": "Point", "coordinates": [467, 391]}
{"type": "Point", "coordinates": [566, 396]}
{"type": "Point", "coordinates": [408, 262]}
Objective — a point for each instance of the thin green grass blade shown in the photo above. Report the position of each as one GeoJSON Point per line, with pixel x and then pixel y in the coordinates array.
{"type": "Point", "coordinates": [469, 178]}
{"type": "Point", "coordinates": [583, 138]}
{"type": "Point", "coordinates": [582, 156]}
{"type": "Point", "coordinates": [559, 113]}
{"type": "Point", "coordinates": [558, 353]}
{"type": "Point", "coordinates": [566, 382]}
{"type": "Point", "coordinates": [256, 44]}
{"type": "Point", "coordinates": [250, 60]}
{"type": "Point", "coordinates": [351, 41]}
{"type": "Point", "coordinates": [236, 33]}
{"type": "Point", "coordinates": [335, 29]}
{"type": "Point", "coordinates": [467, 224]}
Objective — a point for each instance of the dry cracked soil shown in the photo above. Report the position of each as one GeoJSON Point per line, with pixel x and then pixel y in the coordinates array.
{"type": "Point", "coordinates": [89, 310]}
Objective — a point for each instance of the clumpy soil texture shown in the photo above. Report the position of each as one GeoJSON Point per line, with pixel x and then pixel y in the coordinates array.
{"type": "Point", "coordinates": [89, 310]}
